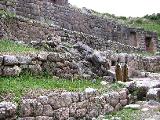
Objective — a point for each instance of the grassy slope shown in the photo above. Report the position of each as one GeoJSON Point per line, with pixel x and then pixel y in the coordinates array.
{"type": "Point", "coordinates": [25, 82]}
{"type": "Point", "coordinates": [7, 46]}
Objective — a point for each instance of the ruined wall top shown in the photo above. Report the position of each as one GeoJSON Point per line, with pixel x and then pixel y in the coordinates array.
{"type": "Point", "coordinates": [59, 2]}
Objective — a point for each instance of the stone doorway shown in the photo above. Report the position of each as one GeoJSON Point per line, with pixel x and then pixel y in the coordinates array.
{"type": "Point", "coordinates": [113, 63]}
{"type": "Point", "coordinates": [149, 44]}
{"type": "Point", "coordinates": [133, 39]}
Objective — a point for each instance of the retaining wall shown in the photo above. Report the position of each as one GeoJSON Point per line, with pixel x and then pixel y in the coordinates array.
{"type": "Point", "coordinates": [66, 66]}
{"type": "Point", "coordinates": [66, 105]}
{"type": "Point", "coordinates": [26, 30]}
{"type": "Point", "coordinates": [80, 20]}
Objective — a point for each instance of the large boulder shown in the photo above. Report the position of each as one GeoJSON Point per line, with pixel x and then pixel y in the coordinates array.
{"type": "Point", "coordinates": [83, 49]}
{"type": "Point", "coordinates": [142, 86]}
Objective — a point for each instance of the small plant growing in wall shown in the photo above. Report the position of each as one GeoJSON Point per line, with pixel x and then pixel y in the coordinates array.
{"type": "Point", "coordinates": [6, 14]}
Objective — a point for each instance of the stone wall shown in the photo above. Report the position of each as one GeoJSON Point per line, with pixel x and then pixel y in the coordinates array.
{"type": "Point", "coordinates": [81, 20]}
{"type": "Point", "coordinates": [66, 105]}
{"type": "Point", "coordinates": [26, 30]}
{"type": "Point", "coordinates": [152, 64]}
{"type": "Point", "coordinates": [69, 66]}
{"type": "Point", "coordinates": [59, 64]}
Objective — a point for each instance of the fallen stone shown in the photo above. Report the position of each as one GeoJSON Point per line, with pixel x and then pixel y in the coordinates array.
{"type": "Point", "coordinates": [85, 49]}
{"type": "Point", "coordinates": [133, 106]}
{"type": "Point", "coordinates": [116, 118]}
{"type": "Point", "coordinates": [108, 79]}
{"type": "Point", "coordinates": [151, 104]}
{"type": "Point", "coordinates": [90, 92]}
{"type": "Point", "coordinates": [145, 109]}
{"type": "Point", "coordinates": [103, 83]}
{"type": "Point", "coordinates": [153, 94]}
{"type": "Point", "coordinates": [143, 85]}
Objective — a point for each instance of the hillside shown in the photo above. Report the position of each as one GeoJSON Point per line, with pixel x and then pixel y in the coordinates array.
{"type": "Point", "coordinates": [148, 22]}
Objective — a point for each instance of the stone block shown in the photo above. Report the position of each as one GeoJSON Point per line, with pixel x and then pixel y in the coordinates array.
{"type": "Point", "coordinates": [24, 60]}
{"type": "Point", "coordinates": [57, 100]}
{"type": "Point", "coordinates": [10, 60]}
{"type": "Point", "coordinates": [61, 114]}
{"type": "Point", "coordinates": [11, 71]}
{"type": "Point", "coordinates": [47, 111]}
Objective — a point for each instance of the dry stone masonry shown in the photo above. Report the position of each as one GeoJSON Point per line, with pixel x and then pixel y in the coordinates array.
{"type": "Point", "coordinates": [66, 105]}
{"type": "Point", "coordinates": [56, 13]}
{"type": "Point", "coordinates": [81, 62]}
{"type": "Point", "coordinates": [75, 43]}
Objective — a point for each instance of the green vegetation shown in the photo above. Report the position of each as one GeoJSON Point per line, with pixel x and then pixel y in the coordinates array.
{"type": "Point", "coordinates": [148, 22]}
{"type": "Point", "coordinates": [6, 14]}
{"type": "Point", "coordinates": [155, 17]}
{"type": "Point", "coordinates": [125, 114]}
{"type": "Point", "coordinates": [25, 82]}
{"type": "Point", "coordinates": [7, 46]}
{"type": "Point", "coordinates": [19, 85]}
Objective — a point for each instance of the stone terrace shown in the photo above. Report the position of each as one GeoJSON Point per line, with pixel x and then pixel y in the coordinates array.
{"type": "Point", "coordinates": [80, 20]}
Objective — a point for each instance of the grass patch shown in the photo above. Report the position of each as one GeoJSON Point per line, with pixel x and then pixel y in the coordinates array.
{"type": "Point", "coordinates": [18, 86]}
{"type": "Point", "coordinates": [7, 14]}
{"type": "Point", "coordinates": [125, 114]}
{"type": "Point", "coordinates": [25, 82]}
{"type": "Point", "coordinates": [150, 26]}
{"type": "Point", "coordinates": [8, 46]}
